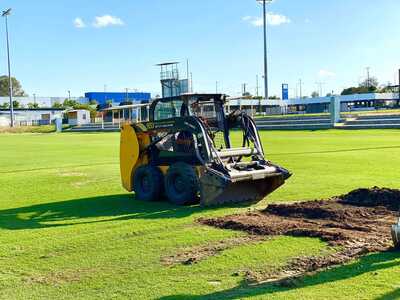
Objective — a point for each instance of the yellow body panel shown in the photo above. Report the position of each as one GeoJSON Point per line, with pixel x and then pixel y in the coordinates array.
{"type": "Point", "coordinates": [131, 146]}
{"type": "Point", "coordinates": [129, 155]}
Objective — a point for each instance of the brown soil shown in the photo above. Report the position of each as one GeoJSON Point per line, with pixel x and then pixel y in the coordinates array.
{"type": "Point", "coordinates": [195, 254]}
{"type": "Point", "coordinates": [357, 223]}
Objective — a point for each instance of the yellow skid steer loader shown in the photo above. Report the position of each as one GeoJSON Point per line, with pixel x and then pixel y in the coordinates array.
{"type": "Point", "coordinates": [185, 154]}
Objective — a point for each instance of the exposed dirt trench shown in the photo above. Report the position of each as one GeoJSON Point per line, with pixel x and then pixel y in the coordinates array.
{"type": "Point", "coordinates": [356, 223]}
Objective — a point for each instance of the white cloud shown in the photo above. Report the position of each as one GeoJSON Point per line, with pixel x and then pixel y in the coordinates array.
{"type": "Point", "coordinates": [326, 73]}
{"type": "Point", "coordinates": [107, 20]}
{"type": "Point", "coordinates": [79, 23]}
{"type": "Point", "coordinates": [272, 19]}
{"type": "Point", "coordinates": [276, 19]}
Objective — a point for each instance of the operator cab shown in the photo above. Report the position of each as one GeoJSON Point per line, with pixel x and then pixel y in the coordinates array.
{"type": "Point", "coordinates": [177, 144]}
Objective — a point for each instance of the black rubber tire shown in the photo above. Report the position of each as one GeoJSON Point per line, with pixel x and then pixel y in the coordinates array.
{"type": "Point", "coordinates": [148, 183]}
{"type": "Point", "coordinates": [181, 184]}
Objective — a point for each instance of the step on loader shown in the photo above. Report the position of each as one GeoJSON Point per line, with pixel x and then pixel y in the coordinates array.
{"type": "Point", "coordinates": [396, 235]}
{"type": "Point", "coordinates": [184, 153]}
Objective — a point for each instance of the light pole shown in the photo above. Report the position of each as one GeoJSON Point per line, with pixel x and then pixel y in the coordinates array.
{"type": "Point", "coordinates": [5, 14]}
{"type": "Point", "coordinates": [69, 95]}
{"type": "Point", "coordinates": [264, 2]}
{"type": "Point", "coordinates": [368, 77]}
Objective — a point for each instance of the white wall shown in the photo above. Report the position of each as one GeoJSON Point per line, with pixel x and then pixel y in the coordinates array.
{"type": "Point", "coordinates": [27, 116]}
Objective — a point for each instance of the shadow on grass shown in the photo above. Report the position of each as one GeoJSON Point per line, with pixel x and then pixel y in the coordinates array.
{"type": "Point", "coordinates": [371, 263]}
{"type": "Point", "coordinates": [72, 212]}
{"type": "Point", "coordinates": [390, 296]}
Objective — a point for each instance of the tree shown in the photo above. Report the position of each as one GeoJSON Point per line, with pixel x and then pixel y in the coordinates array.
{"type": "Point", "coordinates": [33, 105]}
{"type": "Point", "coordinates": [16, 104]}
{"type": "Point", "coordinates": [69, 103]}
{"type": "Point", "coordinates": [370, 83]}
{"type": "Point", "coordinates": [4, 87]}
{"type": "Point", "coordinates": [358, 90]}
{"type": "Point", "coordinates": [274, 98]}
{"type": "Point", "coordinates": [5, 105]}
{"type": "Point", "coordinates": [57, 105]}
{"type": "Point", "coordinates": [314, 94]}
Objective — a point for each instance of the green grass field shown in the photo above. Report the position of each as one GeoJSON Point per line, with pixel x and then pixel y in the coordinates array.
{"type": "Point", "coordinates": [69, 231]}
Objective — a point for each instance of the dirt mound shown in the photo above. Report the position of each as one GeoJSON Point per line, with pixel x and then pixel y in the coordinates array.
{"type": "Point", "coordinates": [388, 198]}
{"type": "Point", "coordinates": [358, 223]}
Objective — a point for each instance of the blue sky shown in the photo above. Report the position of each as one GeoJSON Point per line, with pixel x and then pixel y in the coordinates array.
{"type": "Point", "coordinates": [83, 45]}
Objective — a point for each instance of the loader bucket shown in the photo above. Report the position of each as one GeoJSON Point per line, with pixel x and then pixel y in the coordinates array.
{"type": "Point", "coordinates": [216, 190]}
{"type": "Point", "coordinates": [396, 235]}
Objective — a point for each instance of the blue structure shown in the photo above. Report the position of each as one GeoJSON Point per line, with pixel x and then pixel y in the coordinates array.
{"type": "Point", "coordinates": [117, 98]}
{"type": "Point", "coordinates": [285, 91]}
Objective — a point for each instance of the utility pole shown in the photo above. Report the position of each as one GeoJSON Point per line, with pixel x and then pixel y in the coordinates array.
{"type": "Point", "coordinates": [187, 75]}
{"type": "Point", "coordinates": [216, 87]}
{"type": "Point", "coordinates": [258, 96]}
{"type": "Point", "coordinates": [69, 95]}
{"type": "Point", "coordinates": [368, 77]}
{"type": "Point", "coordinates": [320, 84]}
{"type": "Point", "coordinates": [244, 88]}
{"type": "Point", "coordinates": [257, 87]}
{"type": "Point", "coordinates": [264, 2]}
{"type": "Point", "coordinates": [301, 88]}
{"type": "Point", "coordinates": [5, 14]}
{"type": "Point", "coordinates": [399, 89]}
{"type": "Point", "coordinates": [127, 96]}
{"type": "Point", "coordinates": [191, 82]}
{"type": "Point", "coordinates": [34, 99]}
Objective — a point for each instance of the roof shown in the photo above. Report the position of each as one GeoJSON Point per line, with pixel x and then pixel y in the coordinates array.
{"type": "Point", "coordinates": [167, 64]}
{"type": "Point", "coordinates": [125, 107]}
{"type": "Point", "coordinates": [201, 97]}
{"type": "Point", "coordinates": [76, 110]}
{"type": "Point", "coordinates": [34, 109]}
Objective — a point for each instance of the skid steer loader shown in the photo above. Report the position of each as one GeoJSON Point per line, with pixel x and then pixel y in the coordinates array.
{"type": "Point", "coordinates": [185, 154]}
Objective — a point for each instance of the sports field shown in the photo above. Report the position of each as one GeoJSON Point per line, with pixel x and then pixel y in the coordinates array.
{"type": "Point", "coordinates": [69, 231]}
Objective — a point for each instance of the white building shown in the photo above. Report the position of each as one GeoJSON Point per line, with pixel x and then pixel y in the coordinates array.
{"type": "Point", "coordinates": [28, 117]}
{"type": "Point", "coordinates": [78, 117]}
